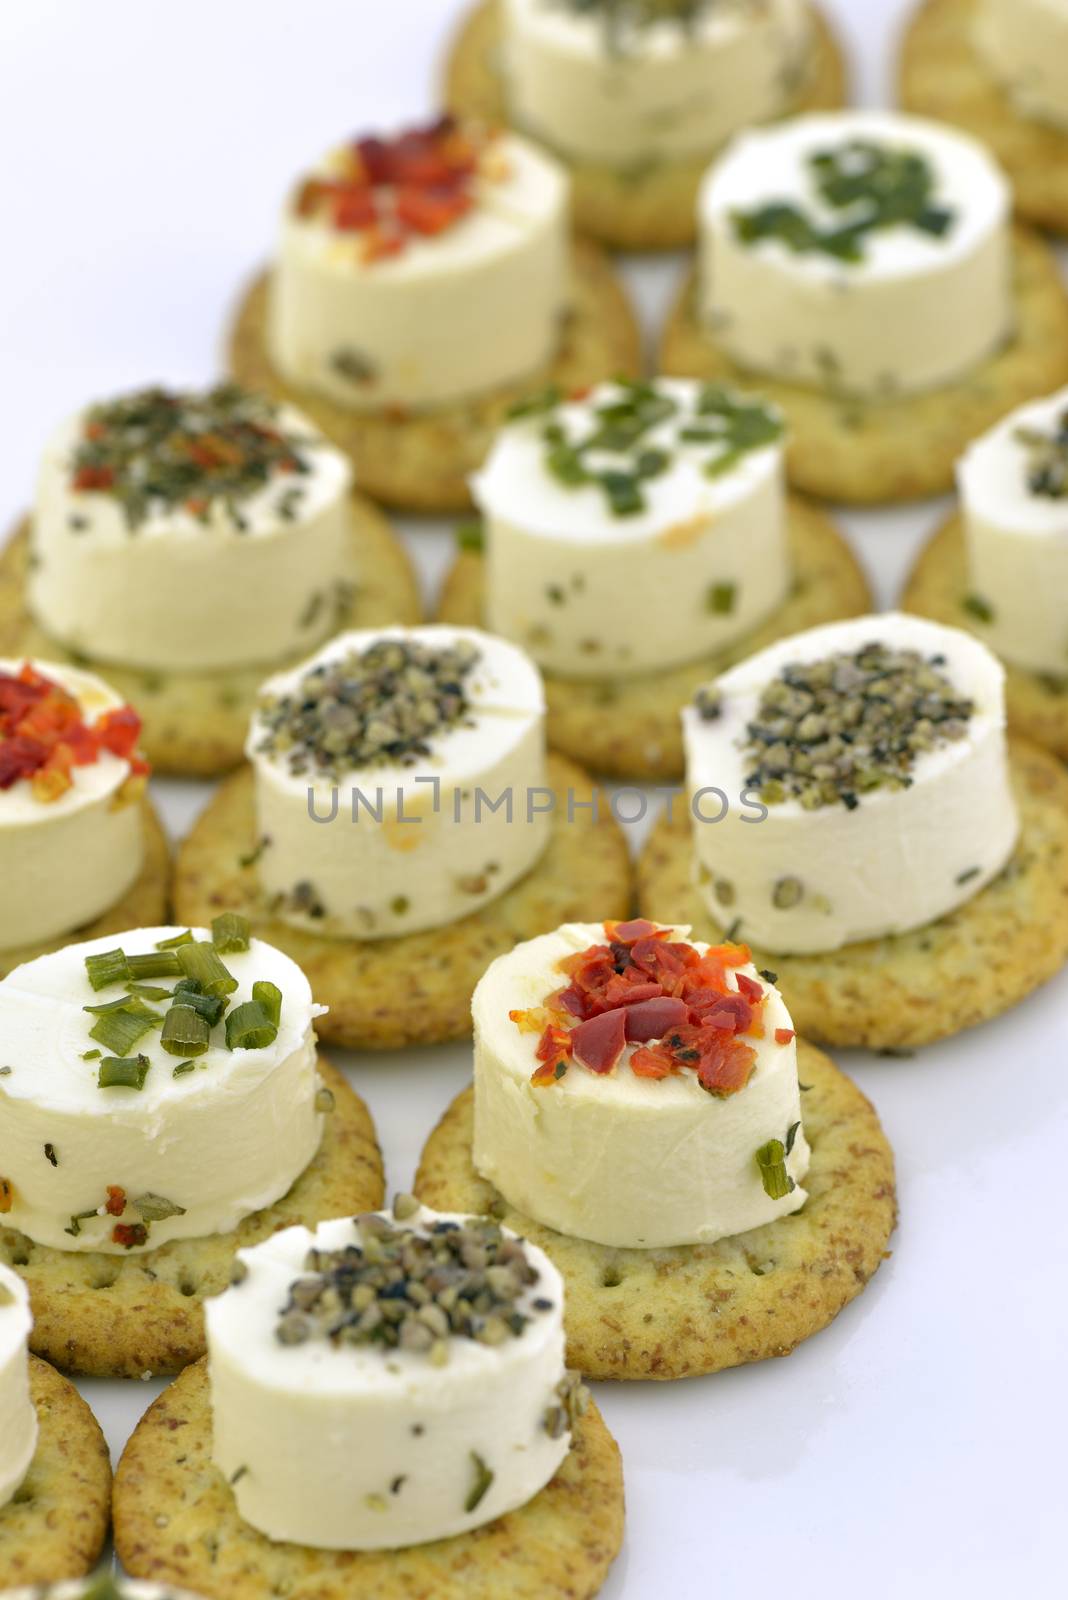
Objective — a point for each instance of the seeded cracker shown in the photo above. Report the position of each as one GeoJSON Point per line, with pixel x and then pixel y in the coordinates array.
{"type": "Point", "coordinates": [912, 988]}
{"type": "Point", "coordinates": [415, 989]}
{"type": "Point", "coordinates": [54, 1527]}
{"type": "Point", "coordinates": [195, 723]}
{"type": "Point", "coordinates": [691, 1309]}
{"type": "Point", "coordinates": [629, 727]}
{"type": "Point", "coordinates": [638, 208]}
{"type": "Point", "coordinates": [870, 452]}
{"type": "Point", "coordinates": [114, 1316]}
{"type": "Point", "coordinates": [176, 1522]}
{"type": "Point", "coordinates": [422, 460]}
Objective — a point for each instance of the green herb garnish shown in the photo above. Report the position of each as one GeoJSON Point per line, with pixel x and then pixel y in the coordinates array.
{"type": "Point", "coordinates": [178, 939]}
{"type": "Point", "coordinates": [721, 598]}
{"type": "Point", "coordinates": [269, 996]}
{"type": "Point", "coordinates": [154, 1208]}
{"type": "Point", "coordinates": [185, 1032]}
{"type": "Point", "coordinates": [107, 968]}
{"type": "Point", "coordinates": [249, 1027]}
{"type": "Point", "coordinates": [470, 535]}
{"type": "Point", "coordinates": [231, 933]}
{"type": "Point", "coordinates": [977, 607]}
{"type": "Point", "coordinates": [481, 1485]}
{"type": "Point", "coordinates": [117, 1073]}
{"type": "Point", "coordinates": [201, 961]}
{"type": "Point", "coordinates": [771, 1159]}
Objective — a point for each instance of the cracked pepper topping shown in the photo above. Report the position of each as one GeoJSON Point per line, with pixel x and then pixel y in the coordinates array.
{"type": "Point", "coordinates": [161, 450]}
{"type": "Point", "coordinates": [381, 707]}
{"type": "Point", "coordinates": [828, 732]}
{"type": "Point", "coordinates": [1047, 459]}
{"type": "Point", "coordinates": [645, 988]}
{"type": "Point", "coordinates": [867, 188]}
{"type": "Point", "coordinates": [44, 735]}
{"type": "Point", "coordinates": [413, 1286]}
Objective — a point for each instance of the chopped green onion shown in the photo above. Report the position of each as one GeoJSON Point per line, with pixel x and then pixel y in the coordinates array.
{"type": "Point", "coordinates": [116, 1073]}
{"type": "Point", "coordinates": [720, 599]}
{"type": "Point", "coordinates": [147, 991]}
{"type": "Point", "coordinates": [624, 495]}
{"type": "Point", "coordinates": [119, 1031]}
{"type": "Point", "coordinates": [249, 1027]}
{"type": "Point", "coordinates": [185, 1032]}
{"type": "Point", "coordinates": [209, 1006]}
{"type": "Point", "coordinates": [76, 1221]}
{"type": "Point", "coordinates": [771, 1159]}
{"type": "Point", "coordinates": [107, 968]}
{"type": "Point", "coordinates": [179, 939]}
{"type": "Point", "coordinates": [155, 964]}
{"type": "Point", "coordinates": [132, 1004]}
{"type": "Point", "coordinates": [154, 1208]}
{"type": "Point", "coordinates": [483, 1480]}
{"type": "Point", "coordinates": [231, 932]}
{"type": "Point", "coordinates": [201, 961]}
{"type": "Point", "coordinates": [91, 1055]}
{"type": "Point", "coordinates": [188, 986]}
{"type": "Point", "coordinates": [270, 998]}
{"type": "Point", "coordinates": [182, 1068]}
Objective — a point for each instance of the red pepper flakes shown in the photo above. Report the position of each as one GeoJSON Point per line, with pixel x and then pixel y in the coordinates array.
{"type": "Point", "coordinates": [43, 735]}
{"type": "Point", "coordinates": [115, 1204]}
{"type": "Point", "coordinates": [129, 1234]}
{"type": "Point", "coordinates": [645, 987]}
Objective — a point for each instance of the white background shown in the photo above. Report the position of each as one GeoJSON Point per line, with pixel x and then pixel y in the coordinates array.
{"type": "Point", "coordinates": [919, 1441]}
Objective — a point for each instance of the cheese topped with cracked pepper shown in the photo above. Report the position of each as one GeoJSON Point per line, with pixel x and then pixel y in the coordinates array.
{"type": "Point", "coordinates": [202, 1144]}
{"type": "Point", "coordinates": [389, 1380]}
{"type": "Point", "coordinates": [670, 488]}
{"type": "Point", "coordinates": [877, 747]}
{"type": "Point", "coordinates": [865, 253]}
{"type": "Point", "coordinates": [649, 1135]}
{"type": "Point", "coordinates": [190, 532]}
{"type": "Point", "coordinates": [400, 780]}
{"type": "Point", "coordinates": [18, 1419]}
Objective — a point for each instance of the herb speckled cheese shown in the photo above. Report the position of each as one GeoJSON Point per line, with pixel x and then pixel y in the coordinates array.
{"type": "Point", "coordinates": [1025, 46]}
{"type": "Point", "coordinates": [804, 880]}
{"type": "Point", "coordinates": [592, 593]}
{"type": "Point", "coordinates": [362, 1446]}
{"type": "Point", "coordinates": [65, 861]}
{"type": "Point", "coordinates": [918, 310]}
{"type": "Point", "coordinates": [18, 1419]}
{"type": "Point", "coordinates": [219, 1141]}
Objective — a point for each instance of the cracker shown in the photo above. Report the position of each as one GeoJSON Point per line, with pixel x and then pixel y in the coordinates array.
{"type": "Point", "coordinates": [55, 1525]}
{"type": "Point", "coordinates": [629, 727]}
{"type": "Point", "coordinates": [176, 1522]}
{"type": "Point", "coordinates": [1037, 702]}
{"type": "Point", "coordinates": [421, 460]}
{"type": "Point", "coordinates": [943, 76]}
{"type": "Point", "coordinates": [870, 452]}
{"type": "Point", "coordinates": [912, 988]}
{"type": "Point", "coordinates": [131, 1316]}
{"type": "Point", "coordinates": [416, 989]}
{"type": "Point", "coordinates": [691, 1309]}
{"type": "Point", "coordinates": [195, 722]}
{"type": "Point", "coordinates": [648, 206]}
{"type": "Point", "coordinates": [144, 905]}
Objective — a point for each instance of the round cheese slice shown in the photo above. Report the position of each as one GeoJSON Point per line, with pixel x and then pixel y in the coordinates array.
{"type": "Point", "coordinates": [621, 1159]}
{"type": "Point", "coordinates": [347, 1443]}
{"type": "Point", "coordinates": [601, 84]}
{"type": "Point", "coordinates": [369, 836]}
{"type": "Point", "coordinates": [18, 1419]}
{"type": "Point", "coordinates": [601, 571]}
{"type": "Point", "coordinates": [1024, 44]}
{"type": "Point", "coordinates": [1014, 496]}
{"type": "Point", "coordinates": [440, 316]}
{"type": "Point", "coordinates": [798, 876]}
{"type": "Point", "coordinates": [915, 305]}
{"type": "Point", "coordinates": [64, 861]}
{"type": "Point", "coordinates": [200, 1146]}
{"type": "Point", "coordinates": [219, 542]}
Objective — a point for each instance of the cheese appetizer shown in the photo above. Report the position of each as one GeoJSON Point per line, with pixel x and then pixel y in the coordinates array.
{"type": "Point", "coordinates": [632, 539]}
{"type": "Point", "coordinates": [79, 843]}
{"type": "Point", "coordinates": [636, 1092]}
{"type": "Point", "coordinates": [390, 1387]}
{"type": "Point", "coordinates": [999, 69]}
{"type": "Point", "coordinates": [999, 566]}
{"type": "Point", "coordinates": [158, 1090]}
{"type": "Point", "coordinates": [637, 97]}
{"type": "Point", "coordinates": [188, 542]}
{"type": "Point", "coordinates": [423, 282]}
{"type": "Point", "coordinates": [863, 265]}
{"type": "Point", "coordinates": [886, 832]}
{"type": "Point", "coordinates": [55, 1474]}
{"type": "Point", "coordinates": [398, 825]}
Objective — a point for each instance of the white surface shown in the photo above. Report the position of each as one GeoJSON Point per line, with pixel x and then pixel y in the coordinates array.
{"type": "Point", "coordinates": [917, 1442]}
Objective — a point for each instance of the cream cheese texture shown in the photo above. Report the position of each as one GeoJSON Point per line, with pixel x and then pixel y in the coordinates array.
{"type": "Point", "coordinates": [18, 1419]}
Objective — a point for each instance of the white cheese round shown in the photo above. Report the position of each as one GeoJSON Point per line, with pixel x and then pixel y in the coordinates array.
{"type": "Point", "coordinates": [600, 88]}
{"type": "Point", "coordinates": [363, 1446]}
{"type": "Point", "coordinates": [617, 1158]}
{"type": "Point", "coordinates": [571, 581]}
{"type": "Point", "coordinates": [1017, 538]}
{"type": "Point", "coordinates": [1024, 44]}
{"type": "Point", "coordinates": [65, 861]}
{"type": "Point", "coordinates": [918, 309]}
{"type": "Point", "coordinates": [452, 315]}
{"type": "Point", "coordinates": [804, 880]}
{"type": "Point", "coordinates": [389, 849]}
{"type": "Point", "coordinates": [220, 1141]}
{"type": "Point", "coordinates": [225, 584]}
{"type": "Point", "coordinates": [18, 1419]}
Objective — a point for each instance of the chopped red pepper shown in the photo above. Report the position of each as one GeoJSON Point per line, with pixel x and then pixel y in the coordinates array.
{"type": "Point", "coordinates": [784, 1035]}
{"type": "Point", "coordinates": [116, 1201]}
{"type": "Point", "coordinates": [90, 477]}
{"type": "Point", "coordinates": [43, 735]}
{"type": "Point", "coordinates": [129, 1234]}
{"type": "Point", "coordinates": [599, 1043]}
